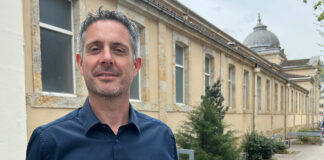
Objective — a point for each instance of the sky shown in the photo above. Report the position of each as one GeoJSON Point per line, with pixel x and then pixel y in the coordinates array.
{"type": "Point", "coordinates": [292, 21]}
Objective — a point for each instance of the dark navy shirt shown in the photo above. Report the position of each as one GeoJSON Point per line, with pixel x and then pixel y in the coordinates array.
{"type": "Point", "coordinates": [81, 136]}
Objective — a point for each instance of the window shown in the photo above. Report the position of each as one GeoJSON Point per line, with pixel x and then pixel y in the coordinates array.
{"type": "Point", "coordinates": [292, 101]}
{"type": "Point", "coordinates": [259, 93]}
{"type": "Point", "coordinates": [179, 75]}
{"type": "Point", "coordinates": [296, 102]}
{"type": "Point", "coordinates": [276, 97]}
{"type": "Point", "coordinates": [207, 71]}
{"type": "Point", "coordinates": [268, 94]}
{"type": "Point", "coordinates": [56, 46]}
{"type": "Point", "coordinates": [281, 98]}
{"type": "Point", "coordinates": [245, 89]}
{"type": "Point", "coordinates": [231, 85]}
{"type": "Point", "coordinates": [135, 88]}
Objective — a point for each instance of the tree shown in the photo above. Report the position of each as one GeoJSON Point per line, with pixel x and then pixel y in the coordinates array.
{"type": "Point", "coordinates": [204, 132]}
{"type": "Point", "coordinates": [318, 7]}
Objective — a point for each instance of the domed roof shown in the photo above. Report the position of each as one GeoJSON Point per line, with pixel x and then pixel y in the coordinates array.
{"type": "Point", "coordinates": [261, 39]}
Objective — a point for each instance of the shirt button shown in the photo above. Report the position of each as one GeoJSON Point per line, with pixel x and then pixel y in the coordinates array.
{"type": "Point", "coordinates": [116, 140]}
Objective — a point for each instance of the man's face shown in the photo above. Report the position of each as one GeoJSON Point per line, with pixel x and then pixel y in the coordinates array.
{"type": "Point", "coordinates": [108, 65]}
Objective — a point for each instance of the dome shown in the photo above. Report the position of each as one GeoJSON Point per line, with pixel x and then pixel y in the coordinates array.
{"type": "Point", "coordinates": [261, 39]}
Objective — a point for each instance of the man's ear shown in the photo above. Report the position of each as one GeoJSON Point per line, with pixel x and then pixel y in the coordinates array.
{"type": "Point", "coordinates": [137, 65]}
{"type": "Point", "coordinates": [79, 62]}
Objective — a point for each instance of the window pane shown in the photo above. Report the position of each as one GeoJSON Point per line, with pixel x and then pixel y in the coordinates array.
{"type": "Point", "coordinates": [179, 85]}
{"type": "Point", "coordinates": [56, 13]}
{"type": "Point", "coordinates": [134, 89]}
{"type": "Point", "coordinates": [259, 92]}
{"type": "Point", "coordinates": [57, 74]}
{"type": "Point", "coordinates": [179, 55]}
{"type": "Point", "coordinates": [206, 81]}
{"type": "Point", "coordinates": [207, 65]}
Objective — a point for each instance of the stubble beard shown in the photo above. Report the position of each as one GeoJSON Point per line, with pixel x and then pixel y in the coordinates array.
{"type": "Point", "coordinates": [111, 91]}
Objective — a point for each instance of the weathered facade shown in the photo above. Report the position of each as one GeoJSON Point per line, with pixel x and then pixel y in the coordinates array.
{"type": "Point", "coordinates": [181, 54]}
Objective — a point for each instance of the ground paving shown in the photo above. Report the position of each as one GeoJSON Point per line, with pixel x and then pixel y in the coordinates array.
{"type": "Point", "coordinates": [302, 152]}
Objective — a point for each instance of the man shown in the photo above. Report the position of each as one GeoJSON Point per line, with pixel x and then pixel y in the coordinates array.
{"type": "Point", "coordinates": [106, 127]}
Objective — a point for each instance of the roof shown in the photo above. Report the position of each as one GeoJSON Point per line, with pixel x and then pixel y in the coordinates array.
{"type": "Point", "coordinates": [295, 62]}
{"type": "Point", "coordinates": [262, 39]}
{"type": "Point", "coordinates": [289, 76]}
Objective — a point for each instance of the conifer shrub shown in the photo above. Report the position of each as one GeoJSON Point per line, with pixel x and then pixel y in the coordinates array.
{"type": "Point", "coordinates": [204, 132]}
{"type": "Point", "coordinates": [257, 146]}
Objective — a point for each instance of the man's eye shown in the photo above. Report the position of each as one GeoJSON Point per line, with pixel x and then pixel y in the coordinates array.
{"type": "Point", "coordinates": [119, 50]}
{"type": "Point", "coordinates": [94, 49]}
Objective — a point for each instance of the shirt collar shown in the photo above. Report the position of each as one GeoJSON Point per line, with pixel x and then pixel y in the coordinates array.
{"type": "Point", "coordinates": [89, 119]}
{"type": "Point", "coordinates": [133, 118]}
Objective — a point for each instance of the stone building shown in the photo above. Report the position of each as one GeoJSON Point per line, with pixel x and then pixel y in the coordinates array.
{"type": "Point", "coordinates": [181, 52]}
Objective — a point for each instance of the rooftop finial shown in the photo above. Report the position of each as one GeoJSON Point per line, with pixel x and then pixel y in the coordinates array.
{"type": "Point", "coordinates": [259, 19]}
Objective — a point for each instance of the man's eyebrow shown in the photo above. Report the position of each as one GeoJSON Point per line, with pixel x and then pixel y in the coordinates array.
{"type": "Point", "coordinates": [119, 44]}
{"type": "Point", "coordinates": [92, 43]}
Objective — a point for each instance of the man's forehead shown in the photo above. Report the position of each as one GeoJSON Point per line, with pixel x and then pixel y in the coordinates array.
{"type": "Point", "coordinates": [106, 28]}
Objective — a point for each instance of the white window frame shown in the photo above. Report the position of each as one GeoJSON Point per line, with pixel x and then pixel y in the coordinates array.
{"type": "Point", "coordinates": [183, 77]}
{"type": "Point", "coordinates": [69, 33]}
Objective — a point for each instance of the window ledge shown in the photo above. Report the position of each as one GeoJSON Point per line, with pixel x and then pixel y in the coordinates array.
{"type": "Point", "coordinates": [51, 100]}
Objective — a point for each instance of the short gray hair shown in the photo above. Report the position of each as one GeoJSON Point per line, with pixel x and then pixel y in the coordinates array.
{"type": "Point", "coordinates": [109, 15]}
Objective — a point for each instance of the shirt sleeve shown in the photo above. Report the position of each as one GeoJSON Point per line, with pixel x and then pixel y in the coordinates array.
{"type": "Point", "coordinates": [173, 145]}
{"type": "Point", "coordinates": [35, 147]}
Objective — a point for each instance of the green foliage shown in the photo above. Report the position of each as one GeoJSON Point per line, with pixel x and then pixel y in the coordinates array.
{"type": "Point", "coordinates": [306, 139]}
{"type": "Point", "coordinates": [318, 6]}
{"type": "Point", "coordinates": [258, 147]}
{"type": "Point", "coordinates": [204, 131]}
{"type": "Point", "coordinates": [279, 147]}
{"type": "Point", "coordinates": [303, 130]}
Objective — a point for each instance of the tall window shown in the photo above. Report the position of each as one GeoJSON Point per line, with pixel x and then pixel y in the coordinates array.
{"type": "Point", "coordinates": [281, 98]}
{"type": "Point", "coordinates": [179, 74]}
{"type": "Point", "coordinates": [245, 89]}
{"type": "Point", "coordinates": [135, 89]}
{"type": "Point", "coordinates": [296, 102]}
{"type": "Point", "coordinates": [56, 45]}
{"type": "Point", "coordinates": [259, 93]}
{"type": "Point", "coordinates": [231, 81]}
{"type": "Point", "coordinates": [292, 101]}
{"type": "Point", "coordinates": [276, 97]}
{"type": "Point", "coordinates": [268, 94]}
{"type": "Point", "coordinates": [207, 71]}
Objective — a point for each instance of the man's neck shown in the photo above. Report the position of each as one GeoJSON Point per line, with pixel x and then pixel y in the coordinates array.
{"type": "Point", "coordinates": [113, 111]}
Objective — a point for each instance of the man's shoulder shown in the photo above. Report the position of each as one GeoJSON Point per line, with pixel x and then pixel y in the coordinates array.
{"type": "Point", "coordinates": [61, 122]}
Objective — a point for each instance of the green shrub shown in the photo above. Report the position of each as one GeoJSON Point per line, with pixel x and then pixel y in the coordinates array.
{"type": "Point", "coordinates": [303, 130]}
{"type": "Point", "coordinates": [306, 139]}
{"type": "Point", "coordinates": [279, 147]}
{"type": "Point", "coordinates": [257, 146]}
{"type": "Point", "coordinates": [205, 131]}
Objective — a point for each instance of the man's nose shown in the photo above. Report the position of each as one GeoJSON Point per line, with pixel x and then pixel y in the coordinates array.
{"type": "Point", "coordinates": [107, 58]}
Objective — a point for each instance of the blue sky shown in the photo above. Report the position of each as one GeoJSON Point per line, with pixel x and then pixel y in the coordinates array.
{"type": "Point", "coordinates": [291, 20]}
